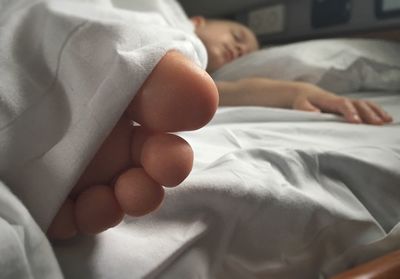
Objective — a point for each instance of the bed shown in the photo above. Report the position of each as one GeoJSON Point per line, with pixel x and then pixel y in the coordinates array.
{"type": "Point", "coordinates": [255, 205]}
{"type": "Point", "coordinates": [274, 193]}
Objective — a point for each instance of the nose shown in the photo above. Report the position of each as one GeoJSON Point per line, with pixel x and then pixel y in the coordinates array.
{"type": "Point", "coordinates": [241, 49]}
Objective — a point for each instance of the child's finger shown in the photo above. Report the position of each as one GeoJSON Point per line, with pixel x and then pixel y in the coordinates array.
{"type": "Point", "coordinates": [367, 114]}
{"type": "Point", "coordinates": [379, 111]}
{"type": "Point", "coordinates": [348, 110]}
{"type": "Point", "coordinates": [305, 105]}
{"type": "Point", "coordinates": [339, 105]}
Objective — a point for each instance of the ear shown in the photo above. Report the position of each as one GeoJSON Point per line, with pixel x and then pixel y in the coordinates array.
{"type": "Point", "coordinates": [198, 21]}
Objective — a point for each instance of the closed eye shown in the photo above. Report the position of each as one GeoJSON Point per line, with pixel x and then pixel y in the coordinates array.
{"type": "Point", "coordinates": [237, 36]}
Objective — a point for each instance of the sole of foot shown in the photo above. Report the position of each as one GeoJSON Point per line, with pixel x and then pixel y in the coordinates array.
{"type": "Point", "coordinates": [128, 172]}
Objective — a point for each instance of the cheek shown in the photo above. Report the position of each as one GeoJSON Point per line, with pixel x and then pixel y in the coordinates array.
{"type": "Point", "coordinates": [215, 58]}
{"type": "Point", "coordinates": [218, 53]}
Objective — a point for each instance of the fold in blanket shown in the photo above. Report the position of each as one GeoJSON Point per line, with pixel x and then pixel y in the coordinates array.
{"type": "Point", "coordinates": [68, 69]}
{"type": "Point", "coordinates": [25, 250]}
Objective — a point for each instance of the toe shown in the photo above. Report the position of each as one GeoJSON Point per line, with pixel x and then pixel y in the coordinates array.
{"type": "Point", "coordinates": [139, 137]}
{"type": "Point", "coordinates": [137, 193]}
{"type": "Point", "coordinates": [177, 96]}
{"type": "Point", "coordinates": [97, 209]}
{"type": "Point", "coordinates": [63, 225]}
{"type": "Point", "coordinates": [167, 158]}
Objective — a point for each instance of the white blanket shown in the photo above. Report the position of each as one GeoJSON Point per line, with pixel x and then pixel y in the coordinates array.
{"type": "Point", "coordinates": [274, 194]}
{"type": "Point", "coordinates": [24, 250]}
{"type": "Point", "coordinates": [68, 69]}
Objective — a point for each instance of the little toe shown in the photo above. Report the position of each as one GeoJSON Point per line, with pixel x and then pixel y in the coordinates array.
{"type": "Point", "coordinates": [177, 96]}
{"type": "Point", "coordinates": [63, 225]}
{"type": "Point", "coordinates": [137, 193]}
{"type": "Point", "coordinates": [97, 209]}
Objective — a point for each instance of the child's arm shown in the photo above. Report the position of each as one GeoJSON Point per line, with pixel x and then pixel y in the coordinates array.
{"type": "Point", "coordinates": [300, 96]}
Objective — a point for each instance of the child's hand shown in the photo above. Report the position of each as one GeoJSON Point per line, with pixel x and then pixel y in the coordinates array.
{"type": "Point", "coordinates": [313, 98]}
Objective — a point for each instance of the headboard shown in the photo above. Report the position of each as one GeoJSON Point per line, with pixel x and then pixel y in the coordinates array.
{"type": "Point", "coordinates": [282, 21]}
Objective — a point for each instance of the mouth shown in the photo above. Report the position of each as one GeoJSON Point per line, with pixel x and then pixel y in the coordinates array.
{"type": "Point", "coordinates": [229, 54]}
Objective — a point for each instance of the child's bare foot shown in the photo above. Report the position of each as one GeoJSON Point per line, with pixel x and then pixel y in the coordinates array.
{"type": "Point", "coordinates": [126, 174]}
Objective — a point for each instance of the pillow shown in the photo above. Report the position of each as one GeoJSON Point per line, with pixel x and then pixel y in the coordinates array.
{"type": "Point", "coordinates": [338, 65]}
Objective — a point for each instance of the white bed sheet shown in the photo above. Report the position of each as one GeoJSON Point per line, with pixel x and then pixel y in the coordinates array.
{"type": "Point", "coordinates": [271, 194]}
{"type": "Point", "coordinates": [274, 194]}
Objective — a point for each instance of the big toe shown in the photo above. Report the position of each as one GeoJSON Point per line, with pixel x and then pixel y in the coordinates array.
{"type": "Point", "coordinates": [177, 96]}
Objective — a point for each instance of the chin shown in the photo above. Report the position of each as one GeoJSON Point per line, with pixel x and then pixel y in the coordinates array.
{"type": "Point", "coordinates": [210, 69]}
{"type": "Point", "coordinates": [215, 66]}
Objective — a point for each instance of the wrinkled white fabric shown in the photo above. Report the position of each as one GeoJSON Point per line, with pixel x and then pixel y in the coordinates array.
{"type": "Point", "coordinates": [68, 69]}
{"type": "Point", "coordinates": [25, 252]}
{"type": "Point", "coordinates": [274, 193]}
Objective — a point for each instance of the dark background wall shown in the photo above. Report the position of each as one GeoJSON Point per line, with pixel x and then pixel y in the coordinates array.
{"type": "Point", "coordinates": [280, 21]}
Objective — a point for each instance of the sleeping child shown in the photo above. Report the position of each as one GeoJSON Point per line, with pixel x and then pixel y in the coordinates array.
{"type": "Point", "coordinates": [226, 40]}
{"type": "Point", "coordinates": [100, 55]}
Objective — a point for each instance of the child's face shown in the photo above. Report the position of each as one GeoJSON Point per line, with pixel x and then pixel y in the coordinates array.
{"type": "Point", "coordinates": [224, 40]}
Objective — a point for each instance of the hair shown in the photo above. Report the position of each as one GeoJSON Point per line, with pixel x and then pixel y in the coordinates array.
{"type": "Point", "coordinates": [231, 19]}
